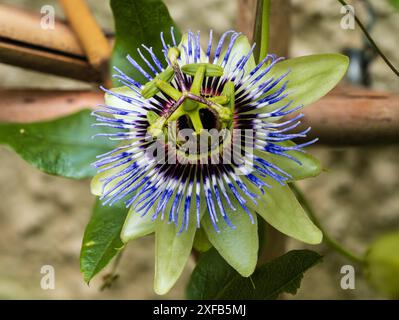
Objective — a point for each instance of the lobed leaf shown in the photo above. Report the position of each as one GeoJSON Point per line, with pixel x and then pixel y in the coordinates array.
{"type": "Point", "coordinates": [139, 22]}
{"type": "Point", "coordinates": [61, 147]}
{"type": "Point", "coordinates": [213, 278]}
{"type": "Point", "coordinates": [101, 240]}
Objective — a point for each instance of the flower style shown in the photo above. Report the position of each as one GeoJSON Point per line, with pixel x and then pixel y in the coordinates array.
{"type": "Point", "coordinates": [204, 150]}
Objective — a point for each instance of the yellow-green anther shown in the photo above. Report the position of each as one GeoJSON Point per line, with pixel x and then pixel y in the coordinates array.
{"type": "Point", "coordinates": [150, 88]}
{"type": "Point", "coordinates": [219, 99]}
{"type": "Point", "coordinates": [173, 54]}
{"type": "Point", "coordinates": [152, 117]}
{"type": "Point", "coordinates": [229, 91]}
{"type": "Point", "coordinates": [198, 78]}
{"type": "Point", "coordinates": [168, 89]}
{"type": "Point", "coordinates": [156, 129]}
{"type": "Point", "coordinates": [166, 75]}
{"type": "Point", "coordinates": [211, 70]}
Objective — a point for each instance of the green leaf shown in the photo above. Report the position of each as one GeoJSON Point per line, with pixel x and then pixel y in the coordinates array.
{"type": "Point", "coordinates": [101, 240]}
{"type": "Point", "coordinates": [239, 246]}
{"type": "Point", "coordinates": [210, 276]}
{"type": "Point", "coordinates": [310, 77]}
{"type": "Point", "coordinates": [280, 208]}
{"type": "Point", "coordinates": [136, 226]}
{"type": "Point", "coordinates": [139, 22]}
{"type": "Point", "coordinates": [395, 3]}
{"type": "Point", "coordinates": [214, 279]}
{"type": "Point", "coordinates": [61, 147]}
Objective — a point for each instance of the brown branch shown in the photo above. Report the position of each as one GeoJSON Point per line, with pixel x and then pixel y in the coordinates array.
{"type": "Point", "coordinates": [246, 16]}
{"type": "Point", "coordinates": [40, 105]}
{"type": "Point", "coordinates": [90, 35]}
{"type": "Point", "coordinates": [29, 57]}
{"type": "Point", "coordinates": [24, 26]}
{"type": "Point", "coordinates": [24, 43]}
{"type": "Point", "coordinates": [346, 116]}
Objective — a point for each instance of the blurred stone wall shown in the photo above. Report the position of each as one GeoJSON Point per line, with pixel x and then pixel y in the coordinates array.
{"type": "Point", "coordinates": [358, 197]}
{"type": "Point", "coordinates": [42, 217]}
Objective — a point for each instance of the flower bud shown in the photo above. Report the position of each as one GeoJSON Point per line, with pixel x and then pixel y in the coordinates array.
{"type": "Point", "coordinates": [382, 261]}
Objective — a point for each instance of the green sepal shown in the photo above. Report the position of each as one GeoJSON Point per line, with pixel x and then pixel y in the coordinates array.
{"type": "Point", "coordinates": [136, 226]}
{"type": "Point", "coordinates": [239, 246]}
{"type": "Point", "coordinates": [240, 49]}
{"type": "Point", "coordinates": [201, 241]}
{"type": "Point", "coordinates": [309, 78]}
{"type": "Point", "coordinates": [308, 167]}
{"type": "Point", "coordinates": [172, 251]}
{"type": "Point", "coordinates": [280, 208]}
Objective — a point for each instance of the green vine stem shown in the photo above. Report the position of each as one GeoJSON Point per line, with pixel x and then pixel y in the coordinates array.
{"type": "Point", "coordinates": [261, 29]}
{"type": "Point", "coordinates": [372, 42]}
{"type": "Point", "coordinates": [326, 237]}
{"type": "Point", "coordinates": [110, 278]}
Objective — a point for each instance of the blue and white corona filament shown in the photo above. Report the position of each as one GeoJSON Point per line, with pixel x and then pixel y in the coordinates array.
{"type": "Point", "coordinates": [220, 88]}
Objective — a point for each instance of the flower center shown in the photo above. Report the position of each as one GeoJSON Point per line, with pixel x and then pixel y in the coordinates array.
{"type": "Point", "coordinates": [192, 107]}
{"type": "Point", "coordinates": [208, 119]}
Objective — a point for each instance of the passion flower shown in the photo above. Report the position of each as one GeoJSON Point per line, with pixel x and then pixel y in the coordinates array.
{"type": "Point", "coordinates": [204, 149]}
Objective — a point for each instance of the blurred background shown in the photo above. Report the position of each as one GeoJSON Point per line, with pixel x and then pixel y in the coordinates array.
{"type": "Point", "coordinates": [42, 218]}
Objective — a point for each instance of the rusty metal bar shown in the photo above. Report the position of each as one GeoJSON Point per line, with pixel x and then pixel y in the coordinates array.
{"type": "Point", "coordinates": [351, 116]}
{"type": "Point", "coordinates": [345, 117]}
